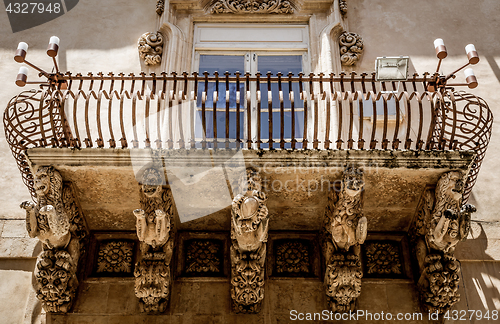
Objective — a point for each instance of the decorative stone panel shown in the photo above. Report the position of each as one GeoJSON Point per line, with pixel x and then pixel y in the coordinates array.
{"type": "Point", "coordinates": [292, 258]}
{"type": "Point", "coordinates": [203, 258]}
{"type": "Point", "coordinates": [383, 259]}
{"type": "Point", "coordinates": [251, 6]}
{"type": "Point", "coordinates": [115, 257]}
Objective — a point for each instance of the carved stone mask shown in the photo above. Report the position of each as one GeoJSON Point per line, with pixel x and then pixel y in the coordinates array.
{"type": "Point", "coordinates": [42, 182]}
{"type": "Point", "coordinates": [151, 183]}
{"type": "Point", "coordinates": [353, 181]}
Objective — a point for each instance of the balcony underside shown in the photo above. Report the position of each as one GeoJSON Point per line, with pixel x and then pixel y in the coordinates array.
{"type": "Point", "coordinates": [202, 181]}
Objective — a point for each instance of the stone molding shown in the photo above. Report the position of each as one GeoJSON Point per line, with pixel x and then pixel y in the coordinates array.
{"type": "Point", "coordinates": [251, 6]}
{"type": "Point", "coordinates": [155, 230]}
{"type": "Point", "coordinates": [249, 229]}
{"type": "Point", "coordinates": [344, 230]}
{"type": "Point", "coordinates": [58, 223]}
{"type": "Point", "coordinates": [150, 46]}
{"type": "Point", "coordinates": [351, 48]}
{"type": "Point", "coordinates": [442, 222]}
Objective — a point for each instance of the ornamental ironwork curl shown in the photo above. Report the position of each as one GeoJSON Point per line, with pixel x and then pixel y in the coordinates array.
{"type": "Point", "coordinates": [32, 119]}
{"type": "Point", "coordinates": [99, 109]}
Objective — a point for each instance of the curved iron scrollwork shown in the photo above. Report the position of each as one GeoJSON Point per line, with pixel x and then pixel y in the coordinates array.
{"type": "Point", "coordinates": [32, 119]}
{"type": "Point", "coordinates": [465, 123]}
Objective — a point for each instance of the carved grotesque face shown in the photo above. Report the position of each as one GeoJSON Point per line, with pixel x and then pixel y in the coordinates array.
{"type": "Point", "coordinates": [42, 182]}
{"type": "Point", "coordinates": [151, 183]}
{"type": "Point", "coordinates": [53, 282]}
{"type": "Point", "coordinates": [353, 181]}
{"type": "Point", "coordinates": [456, 186]}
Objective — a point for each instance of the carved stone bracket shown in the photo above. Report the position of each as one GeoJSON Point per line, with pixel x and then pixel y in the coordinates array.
{"type": "Point", "coordinates": [344, 230]}
{"type": "Point", "coordinates": [249, 228]}
{"type": "Point", "coordinates": [343, 6]}
{"type": "Point", "coordinates": [160, 7]}
{"type": "Point", "coordinates": [351, 48]}
{"type": "Point", "coordinates": [155, 231]}
{"type": "Point", "coordinates": [150, 47]}
{"type": "Point", "coordinates": [58, 223]}
{"type": "Point", "coordinates": [442, 222]}
{"type": "Point", "coordinates": [251, 6]}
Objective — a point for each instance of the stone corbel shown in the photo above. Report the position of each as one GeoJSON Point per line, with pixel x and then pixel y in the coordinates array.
{"type": "Point", "coordinates": [441, 223]}
{"type": "Point", "coordinates": [344, 230]}
{"type": "Point", "coordinates": [249, 228]}
{"type": "Point", "coordinates": [155, 230]}
{"type": "Point", "coordinates": [150, 46]}
{"type": "Point", "coordinates": [58, 223]}
{"type": "Point", "coordinates": [351, 48]}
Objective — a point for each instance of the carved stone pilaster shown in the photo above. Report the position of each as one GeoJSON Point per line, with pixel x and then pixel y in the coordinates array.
{"type": "Point", "coordinates": [249, 227]}
{"type": "Point", "coordinates": [155, 231]}
{"type": "Point", "coordinates": [58, 223]}
{"type": "Point", "coordinates": [251, 6]}
{"type": "Point", "coordinates": [441, 223]}
{"type": "Point", "coordinates": [351, 48]}
{"type": "Point", "coordinates": [345, 228]}
{"type": "Point", "coordinates": [150, 47]}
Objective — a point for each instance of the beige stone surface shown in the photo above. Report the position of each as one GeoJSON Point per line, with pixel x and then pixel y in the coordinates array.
{"type": "Point", "coordinates": [15, 287]}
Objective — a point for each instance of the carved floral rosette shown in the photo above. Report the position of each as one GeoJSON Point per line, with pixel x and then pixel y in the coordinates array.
{"type": "Point", "coordinates": [155, 230]}
{"type": "Point", "coordinates": [150, 46]}
{"type": "Point", "coordinates": [351, 48]}
{"type": "Point", "coordinates": [58, 223]}
{"type": "Point", "coordinates": [442, 222]}
{"type": "Point", "coordinates": [249, 227]}
{"type": "Point", "coordinates": [251, 6]}
{"type": "Point", "coordinates": [344, 230]}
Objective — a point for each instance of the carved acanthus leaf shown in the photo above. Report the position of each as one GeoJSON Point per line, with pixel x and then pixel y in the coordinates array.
{"type": "Point", "coordinates": [351, 48]}
{"type": "Point", "coordinates": [252, 6]}
{"type": "Point", "coordinates": [343, 281]}
{"type": "Point", "coordinates": [150, 47]}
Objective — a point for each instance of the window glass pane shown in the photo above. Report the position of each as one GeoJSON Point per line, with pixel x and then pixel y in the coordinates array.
{"type": "Point", "coordinates": [283, 64]}
{"type": "Point", "coordinates": [220, 64]}
{"type": "Point", "coordinates": [368, 107]}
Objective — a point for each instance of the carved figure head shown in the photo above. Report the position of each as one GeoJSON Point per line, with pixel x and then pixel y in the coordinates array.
{"type": "Point", "coordinates": [343, 281]}
{"type": "Point", "coordinates": [353, 181]}
{"type": "Point", "coordinates": [55, 280]}
{"type": "Point", "coordinates": [450, 186]}
{"type": "Point", "coordinates": [47, 181]}
{"type": "Point", "coordinates": [152, 183]}
{"type": "Point", "coordinates": [439, 287]}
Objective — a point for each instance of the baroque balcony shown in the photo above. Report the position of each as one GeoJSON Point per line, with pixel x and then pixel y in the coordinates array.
{"type": "Point", "coordinates": [289, 134]}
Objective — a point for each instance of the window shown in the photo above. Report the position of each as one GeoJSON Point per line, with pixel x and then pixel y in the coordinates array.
{"type": "Point", "coordinates": [254, 48]}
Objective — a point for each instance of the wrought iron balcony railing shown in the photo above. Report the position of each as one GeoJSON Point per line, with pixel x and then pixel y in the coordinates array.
{"type": "Point", "coordinates": [246, 112]}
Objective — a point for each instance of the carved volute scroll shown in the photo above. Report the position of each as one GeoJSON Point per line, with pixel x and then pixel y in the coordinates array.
{"type": "Point", "coordinates": [351, 48]}
{"type": "Point", "coordinates": [150, 47]}
{"type": "Point", "coordinates": [249, 227]}
{"type": "Point", "coordinates": [344, 230]}
{"type": "Point", "coordinates": [441, 223]}
{"type": "Point", "coordinates": [58, 223]}
{"type": "Point", "coordinates": [251, 6]}
{"type": "Point", "coordinates": [156, 235]}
